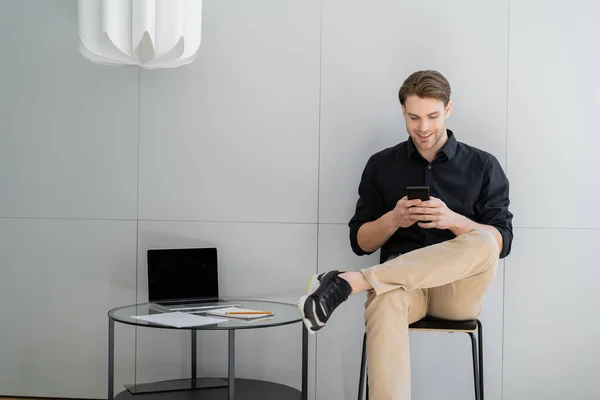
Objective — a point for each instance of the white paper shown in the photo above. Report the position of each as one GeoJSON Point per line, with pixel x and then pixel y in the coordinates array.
{"type": "Point", "coordinates": [179, 319]}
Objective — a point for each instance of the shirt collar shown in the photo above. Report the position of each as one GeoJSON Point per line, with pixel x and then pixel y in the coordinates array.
{"type": "Point", "coordinates": [449, 149]}
{"type": "Point", "coordinates": [410, 147]}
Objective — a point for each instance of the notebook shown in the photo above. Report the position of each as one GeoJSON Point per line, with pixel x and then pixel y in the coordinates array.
{"type": "Point", "coordinates": [240, 313]}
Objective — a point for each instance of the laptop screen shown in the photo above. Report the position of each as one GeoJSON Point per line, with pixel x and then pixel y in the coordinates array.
{"type": "Point", "coordinates": [177, 274]}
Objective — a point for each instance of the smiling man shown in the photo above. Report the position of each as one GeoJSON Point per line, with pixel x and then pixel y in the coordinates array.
{"type": "Point", "coordinates": [438, 256]}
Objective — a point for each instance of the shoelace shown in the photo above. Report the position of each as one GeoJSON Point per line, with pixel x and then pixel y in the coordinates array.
{"type": "Point", "coordinates": [333, 296]}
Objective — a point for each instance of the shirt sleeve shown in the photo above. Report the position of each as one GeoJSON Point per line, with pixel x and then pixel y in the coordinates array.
{"type": "Point", "coordinates": [369, 206]}
{"type": "Point", "coordinates": [493, 202]}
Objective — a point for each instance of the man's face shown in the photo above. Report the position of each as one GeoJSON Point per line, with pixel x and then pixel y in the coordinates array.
{"type": "Point", "coordinates": [426, 121]}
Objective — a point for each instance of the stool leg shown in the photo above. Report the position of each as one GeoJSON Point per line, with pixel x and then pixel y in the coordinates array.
{"type": "Point", "coordinates": [480, 343]}
{"type": "Point", "coordinates": [363, 367]}
{"type": "Point", "coordinates": [475, 351]}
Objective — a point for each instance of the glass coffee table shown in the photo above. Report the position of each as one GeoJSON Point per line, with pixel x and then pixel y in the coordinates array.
{"type": "Point", "coordinates": [196, 388]}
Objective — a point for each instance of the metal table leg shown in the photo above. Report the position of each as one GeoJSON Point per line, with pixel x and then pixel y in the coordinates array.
{"type": "Point", "coordinates": [111, 358]}
{"type": "Point", "coordinates": [231, 365]}
{"type": "Point", "coordinates": [304, 362]}
{"type": "Point", "coordinates": [194, 371]}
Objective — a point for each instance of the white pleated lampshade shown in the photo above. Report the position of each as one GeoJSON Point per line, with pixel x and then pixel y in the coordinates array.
{"type": "Point", "coordinates": [148, 33]}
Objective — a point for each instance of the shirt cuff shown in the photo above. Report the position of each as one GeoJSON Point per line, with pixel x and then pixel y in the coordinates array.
{"type": "Point", "coordinates": [506, 242]}
{"type": "Point", "coordinates": [354, 240]}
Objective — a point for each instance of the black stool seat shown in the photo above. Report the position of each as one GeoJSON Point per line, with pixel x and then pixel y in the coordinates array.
{"type": "Point", "coordinates": [434, 324]}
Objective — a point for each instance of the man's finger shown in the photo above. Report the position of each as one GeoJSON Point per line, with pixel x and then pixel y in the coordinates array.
{"type": "Point", "coordinates": [426, 217]}
{"type": "Point", "coordinates": [432, 202]}
{"type": "Point", "coordinates": [413, 202]}
{"type": "Point", "coordinates": [429, 204]}
{"type": "Point", "coordinates": [421, 210]}
{"type": "Point", "coordinates": [427, 225]}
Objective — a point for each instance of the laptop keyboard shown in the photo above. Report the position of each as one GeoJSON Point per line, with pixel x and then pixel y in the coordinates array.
{"type": "Point", "coordinates": [194, 306]}
{"type": "Point", "coordinates": [198, 306]}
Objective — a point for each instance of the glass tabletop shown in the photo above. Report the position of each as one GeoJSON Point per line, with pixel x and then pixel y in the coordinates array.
{"type": "Point", "coordinates": [283, 314]}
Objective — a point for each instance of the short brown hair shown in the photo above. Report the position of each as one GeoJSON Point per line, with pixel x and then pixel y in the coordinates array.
{"type": "Point", "coordinates": [425, 84]}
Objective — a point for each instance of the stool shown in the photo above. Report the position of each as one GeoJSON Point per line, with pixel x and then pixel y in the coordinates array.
{"type": "Point", "coordinates": [472, 327]}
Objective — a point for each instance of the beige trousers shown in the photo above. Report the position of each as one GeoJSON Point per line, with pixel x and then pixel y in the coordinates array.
{"type": "Point", "coordinates": [447, 280]}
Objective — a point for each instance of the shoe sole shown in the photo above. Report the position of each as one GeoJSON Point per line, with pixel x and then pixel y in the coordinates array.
{"type": "Point", "coordinates": [312, 286]}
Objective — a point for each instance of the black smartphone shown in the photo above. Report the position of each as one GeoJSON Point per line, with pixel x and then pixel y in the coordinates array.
{"type": "Point", "coordinates": [417, 192]}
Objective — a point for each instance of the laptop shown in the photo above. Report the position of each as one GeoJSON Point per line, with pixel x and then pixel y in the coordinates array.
{"type": "Point", "coordinates": [185, 280]}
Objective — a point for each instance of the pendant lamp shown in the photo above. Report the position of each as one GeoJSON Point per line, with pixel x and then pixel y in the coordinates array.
{"type": "Point", "coordinates": [147, 33]}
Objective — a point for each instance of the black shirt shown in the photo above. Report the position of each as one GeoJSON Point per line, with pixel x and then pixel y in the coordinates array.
{"type": "Point", "coordinates": [470, 181]}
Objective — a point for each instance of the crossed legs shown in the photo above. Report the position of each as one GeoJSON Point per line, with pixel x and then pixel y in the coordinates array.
{"type": "Point", "coordinates": [447, 281]}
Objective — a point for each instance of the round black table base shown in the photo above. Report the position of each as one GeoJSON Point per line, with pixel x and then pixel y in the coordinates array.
{"type": "Point", "coordinates": [245, 389]}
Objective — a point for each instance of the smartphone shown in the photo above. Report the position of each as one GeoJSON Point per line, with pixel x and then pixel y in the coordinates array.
{"type": "Point", "coordinates": [417, 192]}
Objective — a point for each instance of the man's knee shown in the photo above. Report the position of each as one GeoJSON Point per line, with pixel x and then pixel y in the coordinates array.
{"type": "Point", "coordinates": [484, 244]}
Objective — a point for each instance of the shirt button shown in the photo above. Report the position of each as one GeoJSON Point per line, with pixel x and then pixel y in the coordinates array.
{"type": "Point", "coordinates": [429, 166]}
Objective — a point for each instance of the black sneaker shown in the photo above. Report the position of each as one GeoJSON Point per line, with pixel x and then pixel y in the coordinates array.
{"type": "Point", "coordinates": [325, 293]}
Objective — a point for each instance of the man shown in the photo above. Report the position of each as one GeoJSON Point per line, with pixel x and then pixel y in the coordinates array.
{"type": "Point", "coordinates": [439, 256]}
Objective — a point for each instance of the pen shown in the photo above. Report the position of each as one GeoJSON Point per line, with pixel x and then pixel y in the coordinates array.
{"type": "Point", "coordinates": [249, 312]}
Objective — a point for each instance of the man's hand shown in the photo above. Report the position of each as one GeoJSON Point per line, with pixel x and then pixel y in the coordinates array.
{"type": "Point", "coordinates": [401, 214]}
{"type": "Point", "coordinates": [372, 235]}
{"type": "Point", "coordinates": [437, 213]}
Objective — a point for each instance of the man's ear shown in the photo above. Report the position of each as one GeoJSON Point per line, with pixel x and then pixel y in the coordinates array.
{"type": "Point", "coordinates": [449, 109]}
{"type": "Point", "coordinates": [404, 112]}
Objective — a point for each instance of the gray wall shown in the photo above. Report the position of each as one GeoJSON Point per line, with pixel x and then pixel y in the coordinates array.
{"type": "Point", "coordinates": [257, 148]}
